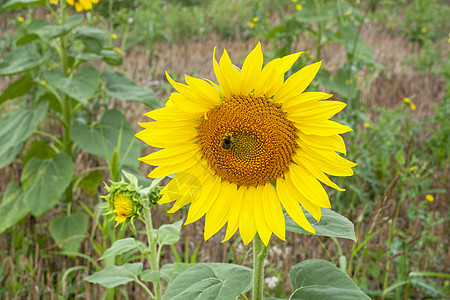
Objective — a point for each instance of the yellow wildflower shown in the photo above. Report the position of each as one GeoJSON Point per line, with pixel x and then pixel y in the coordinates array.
{"type": "Point", "coordinates": [298, 7]}
{"type": "Point", "coordinates": [429, 198]}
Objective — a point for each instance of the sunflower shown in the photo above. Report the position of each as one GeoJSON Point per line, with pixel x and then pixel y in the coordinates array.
{"type": "Point", "coordinates": [247, 147]}
{"type": "Point", "coordinates": [79, 5]}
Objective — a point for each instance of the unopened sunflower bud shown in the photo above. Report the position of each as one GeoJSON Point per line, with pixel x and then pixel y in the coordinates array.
{"type": "Point", "coordinates": [124, 201]}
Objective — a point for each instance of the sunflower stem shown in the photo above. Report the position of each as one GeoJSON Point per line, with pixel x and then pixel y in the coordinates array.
{"type": "Point", "coordinates": [259, 254]}
{"type": "Point", "coordinates": [152, 256]}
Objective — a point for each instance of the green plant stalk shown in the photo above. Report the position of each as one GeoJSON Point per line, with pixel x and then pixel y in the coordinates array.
{"type": "Point", "coordinates": [259, 254]}
{"type": "Point", "coordinates": [152, 256]}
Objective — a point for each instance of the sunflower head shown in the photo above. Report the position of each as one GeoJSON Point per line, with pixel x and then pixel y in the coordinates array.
{"type": "Point", "coordinates": [247, 147]}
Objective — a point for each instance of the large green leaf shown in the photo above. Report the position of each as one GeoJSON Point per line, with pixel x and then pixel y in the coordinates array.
{"type": "Point", "coordinates": [169, 234]}
{"type": "Point", "coordinates": [102, 138]}
{"type": "Point", "coordinates": [113, 276]}
{"type": "Point", "coordinates": [93, 38]}
{"type": "Point", "coordinates": [21, 59]}
{"type": "Point", "coordinates": [16, 127]}
{"type": "Point", "coordinates": [44, 181]}
{"type": "Point", "coordinates": [331, 224]}
{"type": "Point", "coordinates": [21, 3]}
{"type": "Point", "coordinates": [352, 41]}
{"type": "Point", "coordinates": [12, 207]}
{"type": "Point", "coordinates": [18, 88]}
{"type": "Point", "coordinates": [70, 229]}
{"type": "Point", "coordinates": [319, 279]}
{"type": "Point", "coordinates": [121, 246]}
{"type": "Point", "coordinates": [150, 275]}
{"type": "Point", "coordinates": [39, 149]}
{"type": "Point", "coordinates": [80, 87]}
{"type": "Point", "coordinates": [210, 281]}
{"type": "Point", "coordinates": [46, 31]}
{"type": "Point", "coordinates": [171, 271]}
{"type": "Point", "coordinates": [119, 86]}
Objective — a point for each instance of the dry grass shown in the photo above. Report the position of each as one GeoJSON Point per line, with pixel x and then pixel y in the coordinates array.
{"type": "Point", "coordinates": [41, 271]}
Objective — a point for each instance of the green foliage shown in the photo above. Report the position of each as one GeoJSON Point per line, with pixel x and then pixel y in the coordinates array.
{"type": "Point", "coordinates": [331, 224]}
{"type": "Point", "coordinates": [210, 281]}
{"type": "Point", "coordinates": [69, 231]}
{"type": "Point", "coordinates": [113, 276]}
{"type": "Point", "coordinates": [319, 279]}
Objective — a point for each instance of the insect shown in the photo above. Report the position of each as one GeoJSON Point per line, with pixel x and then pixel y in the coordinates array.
{"type": "Point", "coordinates": [226, 144]}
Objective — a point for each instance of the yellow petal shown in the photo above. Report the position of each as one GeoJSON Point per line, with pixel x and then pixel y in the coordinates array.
{"type": "Point", "coordinates": [335, 164]}
{"type": "Point", "coordinates": [233, 216]}
{"type": "Point", "coordinates": [164, 171]}
{"type": "Point", "coordinates": [204, 91]}
{"type": "Point", "coordinates": [295, 192]}
{"type": "Point", "coordinates": [323, 128]}
{"type": "Point", "coordinates": [316, 172]}
{"type": "Point", "coordinates": [170, 156]}
{"type": "Point", "coordinates": [251, 69]}
{"type": "Point", "coordinates": [231, 73]}
{"type": "Point", "coordinates": [225, 86]}
{"type": "Point", "coordinates": [247, 226]}
{"type": "Point", "coordinates": [332, 142]}
{"type": "Point", "coordinates": [273, 211]}
{"type": "Point", "coordinates": [308, 186]}
{"type": "Point", "coordinates": [292, 207]}
{"type": "Point", "coordinates": [297, 83]}
{"type": "Point", "coordinates": [210, 191]}
{"type": "Point", "coordinates": [217, 215]}
{"type": "Point", "coordinates": [260, 219]}
{"type": "Point", "coordinates": [171, 113]}
{"type": "Point", "coordinates": [320, 110]}
{"type": "Point", "coordinates": [167, 137]}
{"type": "Point", "coordinates": [295, 103]}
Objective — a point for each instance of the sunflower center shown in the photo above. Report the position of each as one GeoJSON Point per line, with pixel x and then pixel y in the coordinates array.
{"type": "Point", "coordinates": [247, 140]}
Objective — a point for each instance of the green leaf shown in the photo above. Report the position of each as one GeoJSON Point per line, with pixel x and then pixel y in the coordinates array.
{"type": "Point", "coordinates": [171, 271]}
{"type": "Point", "coordinates": [46, 31]}
{"type": "Point", "coordinates": [169, 234]}
{"type": "Point", "coordinates": [91, 182]}
{"type": "Point", "coordinates": [150, 275]}
{"type": "Point", "coordinates": [8, 155]}
{"type": "Point", "coordinates": [93, 38]}
{"type": "Point", "coordinates": [210, 281]}
{"type": "Point", "coordinates": [21, 3]}
{"type": "Point", "coordinates": [331, 224]}
{"type": "Point", "coordinates": [119, 247]}
{"type": "Point", "coordinates": [80, 87]}
{"type": "Point", "coordinates": [113, 276]}
{"type": "Point", "coordinates": [18, 88]}
{"type": "Point", "coordinates": [12, 207]}
{"type": "Point", "coordinates": [352, 42]}
{"type": "Point", "coordinates": [342, 83]}
{"type": "Point", "coordinates": [104, 137]}
{"type": "Point", "coordinates": [15, 128]}
{"type": "Point", "coordinates": [319, 279]}
{"type": "Point", "coordinates": [21, 59]}
{"type": "Point", "coordinates": [44, 181]}
{"type": "Point", "coordinates": [72, 228]}
{"type": "Point", "coordinates": [119, 86]}
{"type": "Point", "coordinates": [111, 57]}
{"type": "Point", "coordinates": [39, 149]}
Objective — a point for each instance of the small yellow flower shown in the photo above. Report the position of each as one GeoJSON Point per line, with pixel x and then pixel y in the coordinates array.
{"type": "Point", "coordinates": [298, 7]}
{"type": "Point", "coordinates": [407, 100]}
{"type": "Point", "coordinates": [69, 70]}
{"type": "Point", "coordinates": [294, 1]}
{"type": "Point", "coordinates": [423, 30]}
{"type": "Point", "coordinates": [311, 57]}
{"type": "Point", "coordinates": [114, 36]}
{"type": "Point", "coordinates": [367, 125]}
{"type": "Point", "coordinates": [20, 19]}
{"type": "Point", "coordinates": [251, 25]}
{"type": "Point", "coordinates": [118, 50]}
{"type": "Point", "coordinates": [125, 9]}
{"type": "Point", "coordinates": [268, 15]}
{"type": "Point", "coordinates": [412, 106]}
{"type": "Point", "coordinates": [429, 198]}
{"type": "Point", "coordinates": [43, 82]}
{"type": "Point", "coordinates": [255, 20]}
{"type": "Point", "coordinates": [306, 52]}
{"type": "Point", "coordinates": [413, 168]}
{"type": "Point", "coordinates": [348, 13]}
{"type": "Point", "coordinates": [53, 1]}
